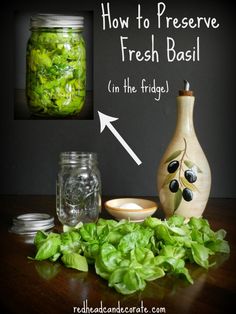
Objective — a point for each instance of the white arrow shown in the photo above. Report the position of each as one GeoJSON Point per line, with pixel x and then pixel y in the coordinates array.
{"type": "Point", "coordinates": [106, 120]}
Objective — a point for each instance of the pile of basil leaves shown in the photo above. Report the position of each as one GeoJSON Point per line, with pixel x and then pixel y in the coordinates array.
{"type": "Point", "coordinates": [128, 254]}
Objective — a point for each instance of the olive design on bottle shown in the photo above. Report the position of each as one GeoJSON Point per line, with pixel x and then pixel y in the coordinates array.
{"type": "Point", "coordinates": [173, 166]}
{"type": "Point", "coordinates": [187, 194]}
{"type": "Point", "coordinates": [190, 175]}
{"type": "Point", "coordinates": [174, 186]}
{"type": "Point", "coordinates": [181, 177]}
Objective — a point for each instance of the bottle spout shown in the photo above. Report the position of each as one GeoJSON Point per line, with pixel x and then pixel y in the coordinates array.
{"type": "Point", "coordinates": [186, 85]}
{"type": "Point", "coordinates": [186, 91]}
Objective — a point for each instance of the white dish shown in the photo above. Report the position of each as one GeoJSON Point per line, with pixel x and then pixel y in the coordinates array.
{"type": "Point", "coordinates": [136, 215]}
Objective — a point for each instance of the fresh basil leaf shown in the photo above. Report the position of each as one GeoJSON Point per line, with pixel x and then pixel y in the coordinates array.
{"type": "Point", "coordinates": [200, 254]}
{"type": "Point", "coordinates": [197, 236]}
{"type": "Point", "coordinates": [76, 261]}
{"type": "Point", "coordinates": [114, 237]}
{"type": "Point", "coordinates": [39, 238]}
{"type": "Point", "coordinates": [162, 233]}
{"type": "Point", "coordinates": [151, 273]}
{"type": "Point", "coordinates": [219, 246]}
{"type": "Point", "coordinates": [220, 234]}
{"type": "Point", "coordinates": [126, 280]}
{"type": "Point", "coordinates": [133, 281]}
{"type": "Point", "coordinates": [91, 250]}
{"type": "Point", "coordinates": [152, 222]}
{"type": "Point", "coordinates": [142, 255]}
{"type": "Point", "coordinates": [195, 223]}
{"type": "Point", "coordinates": [117, 275]}
{"type": "Point", "coordinates": [69, 228]}
{"type": "Point", "coordinates": [172, 251]}
{"type": "Point", "coordinates": [48, 247]}
{"type": "Point", "coordinates": [70, 242]}
{"type": "Point", "coordinates": [128, 242]}
{"type": "Point", "coordinates": [100, 269]}
{"type": "Point", "coordinates": [176, 230]}
{"type": "Point", "coordinates": [109, 256]}
{"type": "Point", "coordinates": [88, 232]}
{"type": "Point", "coordinates": [176, 220]}
{"type": "Point", "coordinates": [106, 222]}
{"type": "Point", "coordinates": [103, 234]}
{"type": "Point", "coordinates": [55, 257]}
{"type": "Point", "coordinates": [183, 272]}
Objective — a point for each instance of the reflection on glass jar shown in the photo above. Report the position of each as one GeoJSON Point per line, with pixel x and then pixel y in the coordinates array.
{"type": "Point", "coordinates": [78, 188]}
{"type": "Point", "coordinates": [56, 66]}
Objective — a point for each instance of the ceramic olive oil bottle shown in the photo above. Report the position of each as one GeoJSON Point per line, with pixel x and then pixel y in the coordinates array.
{"type": "Point", "coordinates": [184, 177]}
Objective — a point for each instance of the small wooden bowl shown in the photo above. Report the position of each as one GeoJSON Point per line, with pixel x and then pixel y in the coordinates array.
{"type": "Point", "coordinates": [134, 215]}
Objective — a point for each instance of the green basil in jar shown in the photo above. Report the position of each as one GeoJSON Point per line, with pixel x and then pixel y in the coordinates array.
{"type": "Point", "coordinates": [56, 66]}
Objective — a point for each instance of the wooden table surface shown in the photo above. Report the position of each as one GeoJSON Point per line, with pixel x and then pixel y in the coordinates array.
{"type": "Point", "coordinates": [41, 287]}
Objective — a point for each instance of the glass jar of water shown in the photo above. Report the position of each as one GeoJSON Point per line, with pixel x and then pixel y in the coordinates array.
{"type": "Point", "coordinates": [78, 196]}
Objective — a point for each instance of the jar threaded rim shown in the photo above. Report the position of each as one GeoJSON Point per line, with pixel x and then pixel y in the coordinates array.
{"type": "Point", "coordinates": [74, 157]}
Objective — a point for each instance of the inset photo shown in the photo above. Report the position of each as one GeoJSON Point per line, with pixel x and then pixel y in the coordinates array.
{"type": "Point", "coordinates": [53, 65]}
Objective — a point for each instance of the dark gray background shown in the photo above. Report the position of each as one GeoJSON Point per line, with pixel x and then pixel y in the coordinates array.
{"type": "Point", "coordinates": [30, 148]}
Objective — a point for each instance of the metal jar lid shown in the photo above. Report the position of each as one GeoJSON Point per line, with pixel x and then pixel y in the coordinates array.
{"type": "Point", "coordinates": [31, 223]}
{"type": "Point", "coordinates": [57, 21]}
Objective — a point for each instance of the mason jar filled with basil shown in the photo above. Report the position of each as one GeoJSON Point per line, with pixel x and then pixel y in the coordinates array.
{"type": "Point", "coordinates": [56, 66]}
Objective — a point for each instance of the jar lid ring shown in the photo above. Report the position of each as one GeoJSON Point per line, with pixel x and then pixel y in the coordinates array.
{"type": "Point", "coordinates": [56, 21]}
